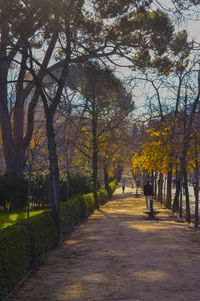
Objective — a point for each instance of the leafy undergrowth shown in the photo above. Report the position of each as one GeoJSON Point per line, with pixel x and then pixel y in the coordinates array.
{"type": "Point", "coordinates": [10, 218]}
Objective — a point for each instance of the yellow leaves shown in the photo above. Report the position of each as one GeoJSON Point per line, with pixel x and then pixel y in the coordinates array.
{"type": "Point", "coordinates": [155, 153]}
{"type": "Point", "coordinates": [166, 71]}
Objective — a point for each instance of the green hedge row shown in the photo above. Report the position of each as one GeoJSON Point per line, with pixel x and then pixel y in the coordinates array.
{"type": "Point", "coordinates": [22, 245]}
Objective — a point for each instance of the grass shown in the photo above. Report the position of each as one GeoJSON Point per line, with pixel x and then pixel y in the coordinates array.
{"type": "Point", "coordinates": [10, 218]}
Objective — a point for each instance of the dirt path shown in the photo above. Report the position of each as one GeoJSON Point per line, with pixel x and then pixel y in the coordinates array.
{"type": "Point", "coordinates": [118, 254]}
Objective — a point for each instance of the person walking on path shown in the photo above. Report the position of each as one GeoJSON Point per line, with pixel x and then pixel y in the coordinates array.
{"type": "Point", "coordinates": [123, 185]}
{"type": "Point", "coordinates": [148, 193]}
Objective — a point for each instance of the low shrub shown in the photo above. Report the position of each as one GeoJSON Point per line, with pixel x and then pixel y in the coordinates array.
{"type": "Point", "coordinates": [21, 247]}
{"type": "Point", "coordinates": [42, 231]}
{"type": "Point", "coordinates": [80, 183]}
{"type": "Point", "coordinates": [76, 210]}
{"type": "Point", "coordinates": [68, 214]}
{"type": "Point", "coordinates": [15, 257]}
{"type": "Point", "coordinates": [111, 188]}
{"type": "Point", "coordinates": [103, 195]}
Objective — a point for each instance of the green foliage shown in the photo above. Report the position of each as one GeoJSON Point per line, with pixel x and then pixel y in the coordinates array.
{"type": "Point", "coordinates": [13, 190]}
{"type": "Point", "coordinates": [43, 234]}
{"type": "Point", "coordinates": [80, 183]}
{"type": "Point", "coordinates": [75, 210]}
{"type": "Point", "coordinates": [21, 247]}
{"type": "Point", "coordinates": [40, 188]}
{"type": "Point", "coordinates": [113, 8]}
{"type": "Point", "coordinates": [70, 214]}
{"type": "Point", "coordinates": [15, 257]}
{"type": "Point", "coordinates": [103, 195]}
{"type": "Point", "coordinates": [112, 187]}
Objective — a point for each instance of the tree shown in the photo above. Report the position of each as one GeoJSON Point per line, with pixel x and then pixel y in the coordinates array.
{"type": "Point", "coordinates": [15, 38]}
{"type": "Point", "coordinates": [106, 104]}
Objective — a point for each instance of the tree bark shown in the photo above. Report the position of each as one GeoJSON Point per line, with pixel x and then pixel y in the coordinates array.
{"type": "Point", "coordinates": [175, 206]}
{"type": "Point", "coordinates": [95, 153]}
{"type": "Point", "coordinates": [188, 215]}
{"type": "Point", "coordinates": [196, 185]}
{"type": "Point", "coordinates": [155, 186]}
{"type": "Point", "coordinates": [54, 172]}
{"type": "Point", "coordinates": [11, 159]}
{"type": "Point", "coordinates": [169, 190]}
{"type": "Point", "coordinates": [196, 193]}
{"type": "Point", "coordinates": [160, 188]}
{"type": "Point", "coordinates": [106, 180]}
{"type": "Point", "coordinates": [18, 118]}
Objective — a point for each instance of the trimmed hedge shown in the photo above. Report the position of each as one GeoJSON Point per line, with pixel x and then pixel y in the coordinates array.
{"type": "Point", "coordinates": [76, 210]}
{"type": "Point", "coordinates": [43, 234]}
{"type": "Point", "coordinates": [15, 257]}
{"type": "Point", "coordinates": [22, 245]}
{"type": "Point", "coordinates": [111, 188]}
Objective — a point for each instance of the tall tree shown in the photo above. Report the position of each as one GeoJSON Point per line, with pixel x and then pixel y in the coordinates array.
{"type": "Point", "coordinates": [106, 105]}
{"type": "Point", "coordinates": [21, 23]}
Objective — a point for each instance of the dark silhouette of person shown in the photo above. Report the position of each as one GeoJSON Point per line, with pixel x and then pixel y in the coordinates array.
{"type": "Point", "coordinates": [148, 193]}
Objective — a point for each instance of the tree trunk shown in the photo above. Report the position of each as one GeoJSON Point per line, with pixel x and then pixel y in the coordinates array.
{"type": "Point", "coordinates": [188, 216]}
{"type": "Point", "coordinates": [164, 192]}
{"type": "Point", "coordinates": [175, 206]}
{"type": "Point", "coordinates": [49, 114]}
{"type": "Point", "coordinates": [181, 203]}
{"type": "Point", "coordinates": [12, 166]}
{"type": "Point", "coordinates": [196, 193]}
{"type": "Point", "coordinates": [152, 180]}
{"type": "Point", "coordinates": [95, 175]}
{"type": "Point", "coordinates": [155, 186]}
{"type": "Point", "coordinates": [54, 173]}
{"type": "Point", "coordinates": [18, 118]}
{"type": "Point", "coordinates": [95, 151]}
{"type": "Point", "coordinates": [169, 191]}
{"type": "Point", "coordinates": [160, 188]}
{"type": "Point", "coordinates": [196, 186]}
{"type": "Point", "coordinates": [106, 180]}
{"type": "Point", "coordinates": [29, 192]}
